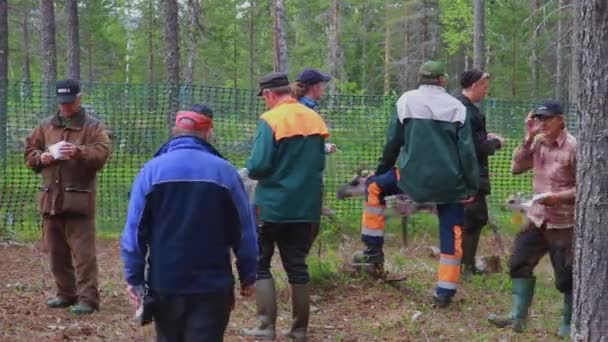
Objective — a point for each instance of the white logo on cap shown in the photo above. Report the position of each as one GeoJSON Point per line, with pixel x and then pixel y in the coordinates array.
{"type": "Point", "coordinates": [63, 90]}
{"type": "Point", "coordinates": [542, 108]}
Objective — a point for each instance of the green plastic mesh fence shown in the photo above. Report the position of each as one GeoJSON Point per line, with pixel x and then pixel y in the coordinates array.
{"type": "Point", "coordinates": [140, 116]}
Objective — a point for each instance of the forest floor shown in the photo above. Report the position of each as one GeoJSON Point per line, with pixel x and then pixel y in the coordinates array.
{"type": "Point", "coordinates": [343, 308]}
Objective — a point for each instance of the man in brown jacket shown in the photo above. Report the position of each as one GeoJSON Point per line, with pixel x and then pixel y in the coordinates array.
{"type": "Point", "coordinates": [68, 149]}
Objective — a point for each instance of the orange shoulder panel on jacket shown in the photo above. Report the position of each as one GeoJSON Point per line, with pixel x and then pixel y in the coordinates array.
{"type": "Point", "coordinates": [291, 118]}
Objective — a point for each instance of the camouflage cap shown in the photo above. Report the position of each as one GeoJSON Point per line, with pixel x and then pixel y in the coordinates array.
{"type": "Point", "coordinates": [432, 69]}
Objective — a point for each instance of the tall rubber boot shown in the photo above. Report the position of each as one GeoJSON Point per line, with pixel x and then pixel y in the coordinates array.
{"type": "Point", "coordinates": [470, 242]}
{"type": "Point", "coordinates": [265, 300]}
{"type": "Point", "coordinates": [564, 327]}
{"type": "Point", "coordinates": [522, 294]}
{"type": "Point", "coordinates": [300, 302]}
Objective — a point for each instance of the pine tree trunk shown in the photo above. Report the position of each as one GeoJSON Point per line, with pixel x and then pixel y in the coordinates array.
{"type": "Point", "coordinates": [48, 51]}
{"type": "Point", "coordinates": [3, 39]}
{"type": "Point", "coordinates": [479, 35]}
{"type": "Point", "coordinates": [251, 23]}
{"type": "Point", "coordinates": [404, 62]}
{"type": "Point", "coordinates": [194, 12]}
{"type": "Point", "coordinates": [73, 39]}
{"type": "Point", "coordinates": [387, 48]}
{"type": "Point", "coordinates": [559, 56]}
{"type": "Point", "coordinates": [171, 42]}
{"type": "Point", "coordinates": [591, 252]}
{"type": "Point", "coordinates": [3, 79]}
{"type": "Point", "coordinates": [534, 52]}
{"type": "Point", "coordinates": [574, 62]}
{"type": "Point", "coordinates": [334, 58]}
{"type": "Point", "coordinates": [26, 76]}
{"type": "Point", "coordinates": [280, 60]}
{"type": "Point", "coordinates": [172, 55]}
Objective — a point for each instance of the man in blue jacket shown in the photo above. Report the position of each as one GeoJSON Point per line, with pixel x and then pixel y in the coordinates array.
{"type": "Point", "coordinates": [187, 209]}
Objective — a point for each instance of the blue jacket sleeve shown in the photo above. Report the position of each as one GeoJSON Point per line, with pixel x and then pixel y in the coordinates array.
{"type": "Point", "coordinates": [134, 244]}
{"type": "Point", "coordinates": [246, 247]}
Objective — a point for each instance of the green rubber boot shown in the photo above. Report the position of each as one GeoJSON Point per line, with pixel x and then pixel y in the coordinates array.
{"type": "Point", "coordinates": [59, 302]}
{"type": "Point", "coordinates": [564, 327]}
{"type": "Point", "coordinates": [300, 302]}
{"type": "Point", "coordinates": [265, 296]}
{"type": "Point", "coordinates": [522, 294]}
{"type": "Point", "coordinates": [82, 309]}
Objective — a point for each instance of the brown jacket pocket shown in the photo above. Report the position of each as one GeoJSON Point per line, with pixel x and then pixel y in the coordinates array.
{"type": "Point", "coordinates": [44, 200]}
{"type": "Point", "coordinates": [78, 201]}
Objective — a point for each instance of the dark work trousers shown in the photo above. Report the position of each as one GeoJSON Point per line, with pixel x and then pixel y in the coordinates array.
{"type": "Point", "coordinates": [293, 240]}
{"type": "Point", "coordinates": [316, 226]}
{"type": "Point", "coordinates": [70, 242]}
{"type": "Point", "coordinates": [533, 242]}
{"type": "Point", "coordinates": [192, 318]}
{"type": "Point", "coordinates": [475, 218]}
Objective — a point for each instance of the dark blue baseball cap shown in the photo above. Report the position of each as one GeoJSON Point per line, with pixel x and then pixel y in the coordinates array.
{"type": "Point", "coordinates": [67, 90]}
{"type": "Point", "coordinates": [202, 109]}
{"type": "Point", "coordinates": [548, 108]}
{"type": "Point", "coordinates": [312, 76]}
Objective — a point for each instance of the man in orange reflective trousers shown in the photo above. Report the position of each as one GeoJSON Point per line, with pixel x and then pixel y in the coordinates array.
{"type": "Point", "coordinates": [431, 142]}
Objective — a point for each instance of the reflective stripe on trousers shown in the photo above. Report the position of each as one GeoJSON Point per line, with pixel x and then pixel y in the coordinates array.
{"type": "Point", "coordinates": [449, 264]}
{"type": "Point", "coordinates": [372, 222]}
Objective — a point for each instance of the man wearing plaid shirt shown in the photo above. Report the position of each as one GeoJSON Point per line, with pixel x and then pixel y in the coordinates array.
{"type": "Point", "coordinates": [550, 152]}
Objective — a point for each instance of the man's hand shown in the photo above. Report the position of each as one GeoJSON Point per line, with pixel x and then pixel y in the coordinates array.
{"type": "Point", "coordinates": [46, 158]}
{"type": "Point", "coordinates": [551, 199]}
{"type": "Point", "coordinates": [135, 294]}
{"type": "Point", "coordinates": [468, 200]}
{"type": "Point", "coordinates": [248, 290]}
{"type": "Point", "coordinates": [496, 136]}
{"type": "Point", "coordinates": [532, 127]}
{"type": "Point", "coordinates": [330, 148]}
{"type": "Point", "coordinates": [69, 150]}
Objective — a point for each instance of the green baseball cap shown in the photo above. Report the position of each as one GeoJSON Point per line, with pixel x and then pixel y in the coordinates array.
{"type": "Point", "coordinates": [432, 69]}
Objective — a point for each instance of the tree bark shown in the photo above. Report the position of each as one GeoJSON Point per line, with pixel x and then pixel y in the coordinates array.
{"type": "Point", "coordinates": [404, 62]}
{"type": "Point", "coordinates": [3, 39]}
{"type": "Point", "coordinates": [387, 48]}
{"type": "Point", "coordinates": [48, 50]}
{"type": "Point", "coordinates": [171, 42]}
{"type": "Point", "coordinates": [534, 54]}
{"type": "Point", "coordinates": [172, 56]}
{"type": "Point", "coordinates": [334, 58]}
{"type": "Point", "coordinates": [150, 39]}
{"type": "Point", "coordinates": [26, 76]}
{"type": "Point", "coordinates": [591, 252]}
{"type": "Point", "coordinates": [574, 62]}
{"type": "Point", "coordinates": [3, 79]}
{"type": "Point", "coordinates": [194, 12]}
{"type": "Point", "coordinates": [280, 56]}
{"type": "Point", "coordinates": [252, 60]}
{"type": "Point", "coordinates": [479, 35]}
{"type": "Point", "coordinates": [73, 39]}
{"type": "Point", "coordinates": [559, 56]}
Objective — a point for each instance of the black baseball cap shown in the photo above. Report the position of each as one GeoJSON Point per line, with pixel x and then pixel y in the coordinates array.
{"type": "Point", "coordinates": [548, 108]}
{"type": "Point", "coordinates": [273, 80]}
{"type": "Point", "coordinates": [312, 76]}
{"type": "Point", "coordinates": [67, 90]}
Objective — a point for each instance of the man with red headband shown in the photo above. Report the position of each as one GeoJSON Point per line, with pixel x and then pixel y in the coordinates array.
{"type": "Point", "coordinates": [188, 209]}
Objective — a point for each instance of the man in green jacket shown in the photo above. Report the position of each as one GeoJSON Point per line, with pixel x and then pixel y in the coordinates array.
{"type": "Point", "coordinates": [288, 160]}
{"type": "Point", "coordinates": [430, 139]}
